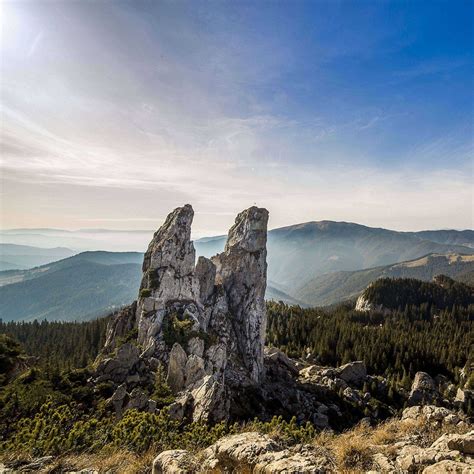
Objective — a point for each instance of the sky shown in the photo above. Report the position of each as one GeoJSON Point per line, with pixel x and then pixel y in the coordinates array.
{"type": "Point", "coordinates": [114, 113]}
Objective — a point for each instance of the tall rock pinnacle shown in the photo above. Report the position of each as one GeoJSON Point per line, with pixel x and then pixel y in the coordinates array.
{"type": "Point", "coordinates": [203, 323]}
{"type": "Point", "coordinates": [168, 272]}
{"type": "Point", "coordinates": [242, 271]}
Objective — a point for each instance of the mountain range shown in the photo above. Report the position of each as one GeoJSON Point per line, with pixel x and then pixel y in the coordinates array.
{"type": "Point", "coordinates": [299, 253]}
{"type": "Point", "coordinates": [311, 264]}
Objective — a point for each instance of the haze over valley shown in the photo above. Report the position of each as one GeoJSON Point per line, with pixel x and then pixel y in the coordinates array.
{"type": "Point", "coordinates": [311, 264]}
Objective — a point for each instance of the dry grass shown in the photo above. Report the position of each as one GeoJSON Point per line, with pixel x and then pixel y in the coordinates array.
{"type": "Point", "coordinates": [119, 461]}
{"type": "Point", "coordinates": [353, 450]}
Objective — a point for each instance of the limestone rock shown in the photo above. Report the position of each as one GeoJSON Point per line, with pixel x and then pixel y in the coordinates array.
{"type": "Point", "coordinates": [117, 368]}
{"type": "Point", "coordinates": [275, 355]}
{"type": "Point", "coordinates": [464, 443]}
{"type": "Point", "coordinates": [240, 451]}
{"type": "Point", "coordinates": [168, 272]}
{"type": "Point", "coordinates": [117, 399]}
{"type": "Point", "coordinates": [257, 453]}
{"type": "Point", "coordinates": [383, 463]}
{"type": "Point", "coordinates": [174, 461]}
{"type": "Point", "coordinates": [196, 346]}
{"type": "Point", "coordinates": [286, 461]}
{"type": "Point", "coordinates": [430, 412]}
{"type": "Point", "coordinates": [413, 458]}
{"type": "Point", "coordinates": [449, 466]}
{"type": "Point", "coordinates": [204, 323]}
{"type": "Point", "coordinates": [423, 390]}
{"type": "Point", "coordinates": [242, 271]}
{"type": "Point", "coordinates": [139, 400]}
{"type": "Point", "coordinates": [206, 275]}
{"type": "Point", "coordinates": [194, 370]}
{"type": "Point", "coordinates": [119, 326]}
{"type": "Point", "coordinates": [176, 368]}
{"type": "Point", "coordinates": [353, 372]}
{"type": "Point", "coordinates": [210, 403]}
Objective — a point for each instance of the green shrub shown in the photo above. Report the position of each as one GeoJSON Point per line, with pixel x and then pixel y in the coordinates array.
{"type": "Point", "coordinates": [138, 431]}
{"type": "Point", "coordinates": [162, 393]}
{"type": "Point", "coordinates": [178, 328]}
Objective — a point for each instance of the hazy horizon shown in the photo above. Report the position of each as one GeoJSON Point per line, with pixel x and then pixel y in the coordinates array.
{"type": "Point", "coordinates": [118, 240]}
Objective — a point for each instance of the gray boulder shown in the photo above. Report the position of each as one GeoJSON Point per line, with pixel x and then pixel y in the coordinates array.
{"type": "Point", "coordinates": [423, 390]}
{"type": "Point", "coordinates": [176, 368]}
{"type": "Point", "coordinates": [353, 373]}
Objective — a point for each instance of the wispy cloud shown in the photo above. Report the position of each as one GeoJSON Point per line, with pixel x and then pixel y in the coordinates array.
{"type": "Point", "coordinates": [119, 112]}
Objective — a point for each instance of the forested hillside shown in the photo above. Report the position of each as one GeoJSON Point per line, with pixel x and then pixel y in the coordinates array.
{"type": "Point", "coordinates": [16, 257]}
{"type": "Point", "coordinates": [80, 292]}
{"type": "Point", "coordinates": [58, 346]}
{"type": "Point", "coordinates": [398, 293]}
{"type": "Point", "coordinates": [396, 346]}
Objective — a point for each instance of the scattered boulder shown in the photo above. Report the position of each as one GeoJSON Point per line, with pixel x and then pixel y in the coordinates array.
{"type": "Point", "coordinates": [257, 453]}
{"type": "Point", "coordinates": [423, 390]}
{"type": "Point", "coordinates": [175, 461]}
{"type": "Point", "coordinates": [431, 413]}
{"type": "Point", "coordinates": [238, 451]}
{"type": "Point", "coordinates": [353, 372]}
{"type": "Point", "coordinates": [449, 466]}
{"type": "Point", "coordinates": [176, 368]}
{"type": "Point", "coordinates": [464, 443]}
{"type": "Point", "coordinates": [455, 448]}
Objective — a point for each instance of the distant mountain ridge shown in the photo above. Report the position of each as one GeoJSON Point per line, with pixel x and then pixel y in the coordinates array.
{"type": "Point", "coordinates": [315, 263]}
{"type": "Point", "coordinates": [299, 253]}
{"type": "Point", "coordinates": [97, 257]}
{"type": "Point", "coordinates": [14, 256]}
{"type": "Point", "coordinates": [334, 287]}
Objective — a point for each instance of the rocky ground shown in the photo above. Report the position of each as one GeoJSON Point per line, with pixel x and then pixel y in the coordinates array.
{"type": "Point", "coordinates": [424, 439]}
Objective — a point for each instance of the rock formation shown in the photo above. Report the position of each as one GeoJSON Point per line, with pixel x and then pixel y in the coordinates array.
{"type": "Point", "coordinates": [203, 323]}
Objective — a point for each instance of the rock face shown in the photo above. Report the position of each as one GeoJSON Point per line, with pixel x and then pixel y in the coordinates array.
{"type": "Point", "coordinates": [242, 272]}
{"type": "Point", "coordinates": [205, 322]}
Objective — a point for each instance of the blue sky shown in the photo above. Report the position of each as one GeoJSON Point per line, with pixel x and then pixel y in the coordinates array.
{"type": "Point", "coordinates": [113, 113]}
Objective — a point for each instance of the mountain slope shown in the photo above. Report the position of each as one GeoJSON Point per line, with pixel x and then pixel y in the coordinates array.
{"type": "Point", "coordinates": [14, 256]}
{"type": "Point", "coordinates": [98, 257]}
{"type": "Point", "coordinates": [299, 253]}
{"type": "Point", "coordinates": [451, 237]}
{"type": "Point", "coordinates": [298, 258]}
{"type": "Point", "coordinates": [82, 287]}
{"type": "Point", "coordinates": [76, 292]}
{"type": "Point", "coordinates": [339, 286]}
